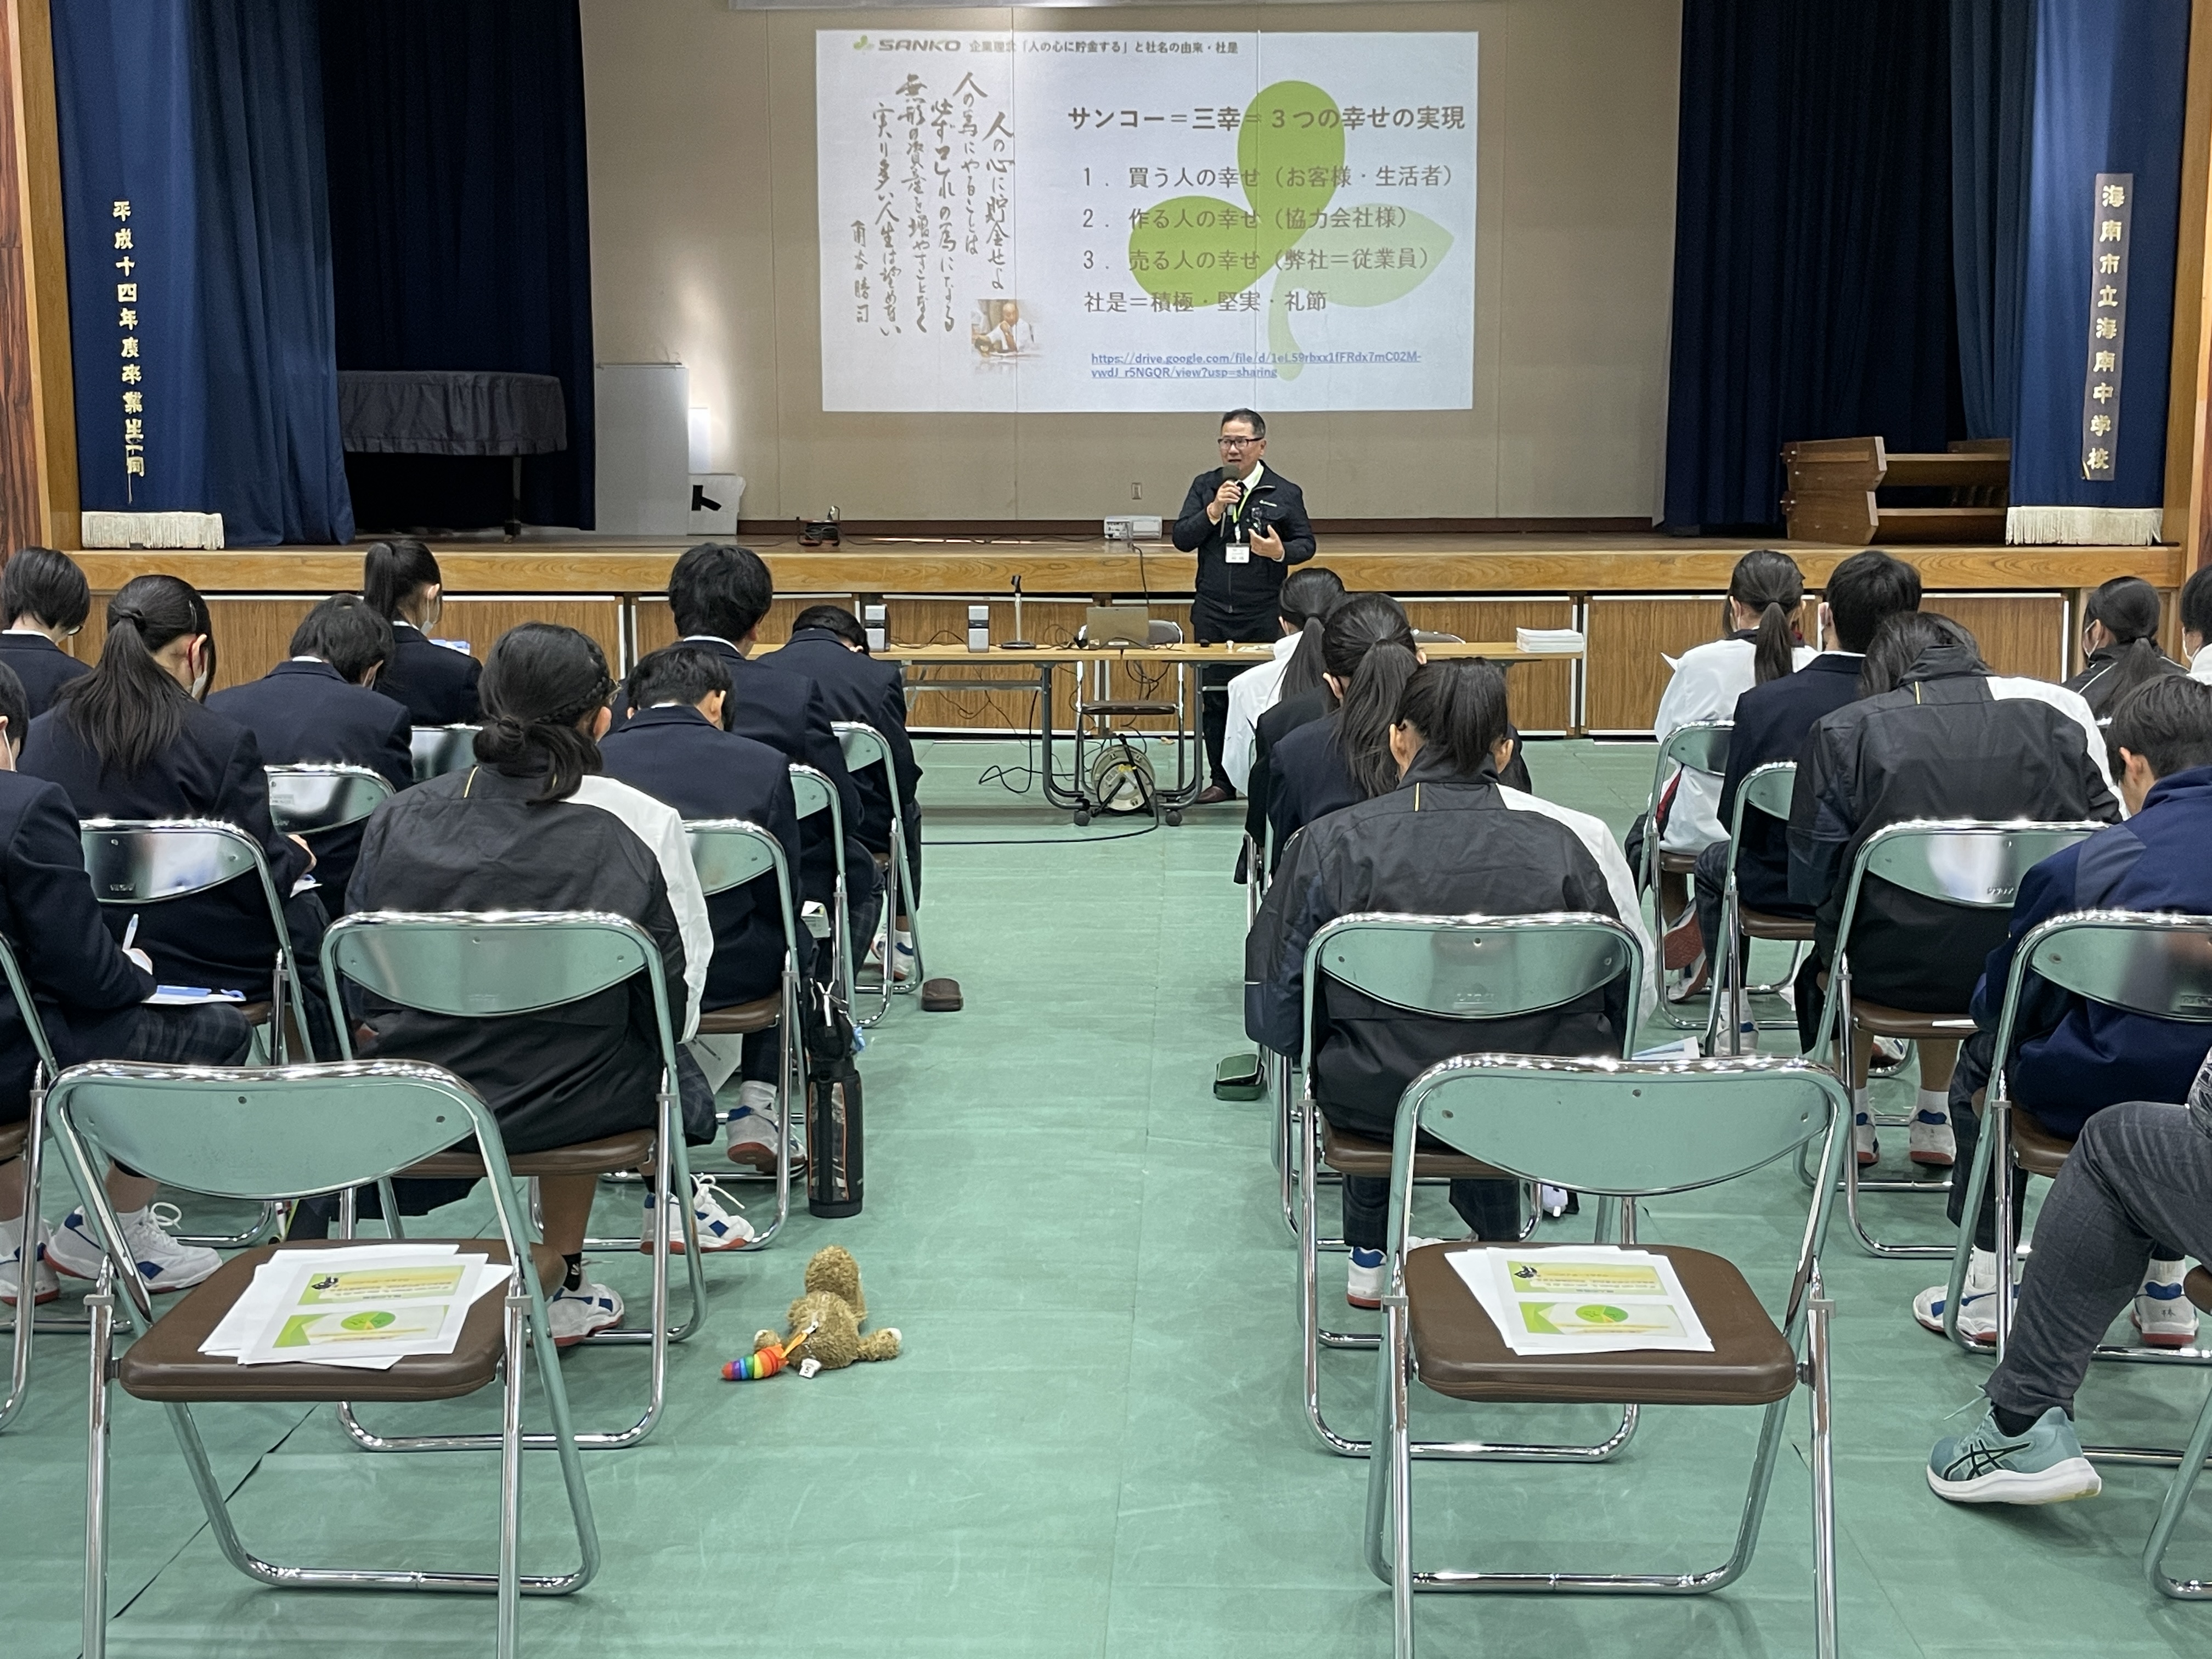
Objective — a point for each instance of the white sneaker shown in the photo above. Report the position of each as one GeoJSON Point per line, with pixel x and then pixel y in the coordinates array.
{"type": "Point", "coordinates": [575, 1314]}
{"type": "Point", "coordinates": [718, 1229]}
{"type": "Point", "coordinates": [1364, 1280]}
{"type": "Point", "coordinates": [1933, 1145]}
{"type": "Point", "coordinates": [753, 1129]}
{"type": "Point", "coordinates": [1977, 1304]}
{"type": "Point", "coordinates": [2162, 1313]}
{"type": "Point", "coordinates": [163, 1263]}
{"type": "Point", "coordinates": [1865, 1146]}
{"type": "Point", "coordinates": [45, 1287]}
{"type": "Point", "coordinates": [901, 955]}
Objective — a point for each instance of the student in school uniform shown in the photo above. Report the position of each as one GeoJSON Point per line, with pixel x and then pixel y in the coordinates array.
{"type": "Point", "coordinates": [401, 582]}
{"type": "Point", "coordinates": [132, 739]}
{"type": "Point", "coordinates": [320, 706]}
{"type": "Point", "coordinates": [673, 748]}
{"type": "Point", "coordinates": [91, 997]}
{"type": "Point", "coordinates": [44, 600]}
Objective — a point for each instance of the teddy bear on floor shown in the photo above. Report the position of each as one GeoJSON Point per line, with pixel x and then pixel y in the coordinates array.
{"type": "Point", "coordinates": [825, 1322]}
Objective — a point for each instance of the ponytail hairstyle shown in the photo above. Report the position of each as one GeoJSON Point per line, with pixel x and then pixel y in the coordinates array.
{"type": "Point", "coordinates": [1457, 708]}
{"type": "Point", "coordinates": [1770, 584]}
{"type": "Point", "coordinates": [394, 572]}
{"type": "Point", "coordinates": [128, 710]}
{"type": "Point", "coordinates": [1900, 642]}
{"type": "Point", "coordinates": [2128, 608]}
{"type": "Point", "coordinates": [1307, 595]}
{"type": "Point", "coordinates": [540, 681]}
{"type": "Point", "coordinates": [1368, 641]}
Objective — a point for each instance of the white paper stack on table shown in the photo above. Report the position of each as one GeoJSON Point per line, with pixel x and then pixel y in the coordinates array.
{"type": "Point", "coordinates": [368, 1306]}
{"type": "Point", "coordinates": [1583, 1298]}
{"type": "Point", "coordinates": [1547, 639]}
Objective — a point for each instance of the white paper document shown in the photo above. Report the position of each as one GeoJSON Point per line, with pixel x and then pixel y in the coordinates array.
{"type": "Point", "coordinates": [365, 1306]}
{"type": "Point", "coordinates": [1583, 1298]}
{"type": "Point", "coordinates": [1547, 639]}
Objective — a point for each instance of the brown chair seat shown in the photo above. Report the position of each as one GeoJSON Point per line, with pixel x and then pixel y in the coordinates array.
{"type": "Point", "coordinates": [1351, 1155]}
{"type": "Point", "coordinates": [1677, 864]}
{"type": "Point", "coordinates": [1760, 924]}
{"type": "Point", "coordinates": [1458, 1352]}
{"type": "Point", "coordinates": [624, 1151]}
{"type": "Point", "coordinates": [1883, 1020]}
{"type": "Point", "coordinates": [13, 1137]}
{"type": "Point", "coordinates": [883, 860]}
{"type": "Point", "coordinates": [167, 1363]}
{"type": "Point", "coordinates": [739, 1017]}
{"type": "Point", "coordinates": [1128, 707]}
{"type": "Point", "coordinates": [2197, 1287]}
{"type": "Point", "coordinates": [2034, 1148]}
{"type": "Point", "coordinates": [256, 1013]}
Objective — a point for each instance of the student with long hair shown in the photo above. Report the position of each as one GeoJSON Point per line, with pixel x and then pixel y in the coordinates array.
{"type": "Point", "coordinates": [1308, 594]}
{"type": "Point", "coordinates": [134, 739]}
{"type": "Point", "coordinates": [1449, 836]}
{"type": "Point", "coordinates": [401, 582]}
{"type": "Point", "coordinates": [534, 826]}
{"type": "Point", "coordinates": [2120, 638]}
{"type": "Point", "coordinates": [44, 601]}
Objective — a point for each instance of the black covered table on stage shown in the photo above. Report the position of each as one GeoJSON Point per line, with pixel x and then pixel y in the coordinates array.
{"type": "Point", "coordinates": [454, 411]}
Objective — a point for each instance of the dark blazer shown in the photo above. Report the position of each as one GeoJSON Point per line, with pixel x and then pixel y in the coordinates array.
{"type": "Point", "coordinates": [85, 987]}
{"type": "Point", "coordinates": [437, 682]}
{"type": "Point", "coordinates": [675, 756]}
{"type": "Point", "coordinates": [220, 938]}
{"type": "Point", "coordinates": [856, 687]}
{"type": "Point", "coordinates": [787, 712]}
{"type": "Point", "coordinates": [308, 711]}
{"type": "Point", "coordinates": [2096, 681]}
{"type": "Point", "coordinates": [1308, 779]}
{"type": "Point", "coordinates": [1772, 723]}
{"type": "Point", "coordinates": [1240, 594]}
{"type": "Point", "coordinates": [43, 666]}
{"type": "Point", "coordinates": [1275, 723]}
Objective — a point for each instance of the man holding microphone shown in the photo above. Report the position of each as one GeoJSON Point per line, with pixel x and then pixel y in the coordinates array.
{"type": "Point", "coordinates": [1248, 525]}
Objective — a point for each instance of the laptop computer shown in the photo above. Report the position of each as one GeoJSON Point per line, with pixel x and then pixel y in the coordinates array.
{"type": "Point", "coordinates": [1117, 624]}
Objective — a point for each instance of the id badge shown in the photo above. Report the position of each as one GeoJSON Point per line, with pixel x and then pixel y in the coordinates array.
{"type": "Point", "coordinates": [1236, 552]}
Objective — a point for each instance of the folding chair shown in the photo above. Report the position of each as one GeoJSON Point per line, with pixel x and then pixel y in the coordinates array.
{"type": "Point", "coordinates": [439, 750]}
{"type": "Point", "coordinates": [864, 747]}
{"type": "Point", "coordinates": [1767, 789]}
{"type": "Point", "coordinates": [1973, 864]}
{"type": "Point", "coordinates": [2159, 966]}
{"type": "Point", "coordinates": [813, 793]}
{"type": "Point", "coordinates": [1629, 1130]}
{"type": "Point", "coordinates": [313, 798]}
{"type": "Point", "coordinates": [1702, 746]}
{"type": "Point", "coordinates": [729, 852]}
{"type": "Point", "coordinates": [1104, 708]}
{"type": "Point", "coordinates": [1463, 968]}
{"type": "Point", "coordinates": [2190, 1465]}
{"type": "Point", "coordinates": [279, 1133]}
{"type": "Point", "coordinates": [27, 1141]}
{"type": "Point", "coordinates": [468, 966]}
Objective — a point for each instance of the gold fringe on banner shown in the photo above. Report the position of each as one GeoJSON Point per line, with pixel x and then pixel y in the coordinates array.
{"type": "Point", "coordinates": [201, 529]}
{"type": "Point", "coordinates": [2081, 526]}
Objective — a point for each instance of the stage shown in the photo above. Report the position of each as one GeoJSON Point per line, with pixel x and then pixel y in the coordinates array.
{"type": "Point", "coordinates": [1638, 598]}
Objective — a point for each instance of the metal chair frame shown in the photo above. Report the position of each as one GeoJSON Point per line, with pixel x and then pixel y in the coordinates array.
{"type": "Point", "coordinates": [1581, 1124]}
{"type": "Point", "coordinates": [350, 795]}
{"type": "Point", "coordinates": [1441, 967]}
{"type": "Point", "coordinates": [1700, 746]}
{"type": "Point", "coordinates": [237, 1132]}
{"type": "Point", "coordinates": [438, 749]}
{"type": "Point", "coordinates": [373, 949]}
{"type": "Point", "coordinates": [27, 1321]}
{"type": "Point", "coordinates": [1765, 789]}
{"type": "Point", "coordinates": [1973, 863]}
{"type": "Point", "coordinates": [811, 792]}
{"type": "Point", "coordinates": [729, 852]}
{"type": "Point", "coordinates": [864, 747]}
{"type": "Point", "coordinates": [1103, 707]}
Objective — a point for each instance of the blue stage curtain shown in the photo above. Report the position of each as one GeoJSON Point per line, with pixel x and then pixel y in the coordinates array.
{"type": "Point", "coordinates": [2110, 84]}
{"type": "Point", "coordinates": [204, 116]}
{"type": "Point", "coordinates": [1812, 242]}
{"type": "Point", "coordinates": [459, 217]}
{"type": "Point", "coordinates": [1992, 93]}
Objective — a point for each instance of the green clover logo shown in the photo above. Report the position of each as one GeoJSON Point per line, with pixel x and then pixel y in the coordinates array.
{"type": "Point", "coordinates": [1289, 164]}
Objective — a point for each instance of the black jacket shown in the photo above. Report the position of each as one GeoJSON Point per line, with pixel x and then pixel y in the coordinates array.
{"type": "Point", "coordinates": [437, 683]}
{"type": "Point", "coordinates": [674, 755]}
{"type": "Point", "coordinates": [221, 938]}
{"type": "Point", "coordinates": [1240, 594]}
{"type": "Point", "coordinates": [2095, 683]}
{"type": "Point", "coordinates": [470, 840]}
{"type": "Point", "coordinates": [308, 711]}
{"type": "Point", "coordinates": [43, 666]}
{"type": "Point", "coordinates": [856, 687]}
{"type": "Point", "coordinates": [1438, 844]}
{"type": "Point", "coordinates": [84, 985]}
{"type": "Point", "coordinates": [1772, 723]}
{"type": "Point", "coordinates": [787, 712]}
{"type": "Point", "coordinates": [1275, 723]}
{"type": "Point", "coordinates": [1308, 778]}
{"type": "Point", "coordinates": [1952, 741]}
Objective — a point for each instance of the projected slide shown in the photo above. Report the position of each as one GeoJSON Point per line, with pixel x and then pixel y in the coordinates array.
{"type": "Point", "coordinates": [1122, 221]}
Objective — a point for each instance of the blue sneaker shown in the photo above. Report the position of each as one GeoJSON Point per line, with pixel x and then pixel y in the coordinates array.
{"type": "Point", "coordinates": [1363, 1283]}
{"type": "Point", "coordinates": [1988, 1465]}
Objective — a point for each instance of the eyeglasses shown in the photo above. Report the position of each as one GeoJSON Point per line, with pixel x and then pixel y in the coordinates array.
{"type": "Point", "coordinates": [1239, 443]}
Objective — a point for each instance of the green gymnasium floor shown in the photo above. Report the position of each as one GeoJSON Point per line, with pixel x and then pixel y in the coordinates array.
{"type": "Point", "coordinates": [1093, 1444]}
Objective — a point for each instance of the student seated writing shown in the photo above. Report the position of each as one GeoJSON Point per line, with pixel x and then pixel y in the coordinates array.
{"type": "Point", "coordinates": [534, 826]}
{"type": "Point", "coordinates": [91, 1000]}
{"type": "Point", "coordinates": [2074, 1058]}
{"type": "Point", "coordinates": [1449, 839]}
{"type": "Point", "coordinates": [45, 600]}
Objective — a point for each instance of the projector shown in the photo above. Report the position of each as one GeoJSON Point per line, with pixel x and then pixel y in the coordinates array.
{"type": "Point", "coordinates": [1133, 530]}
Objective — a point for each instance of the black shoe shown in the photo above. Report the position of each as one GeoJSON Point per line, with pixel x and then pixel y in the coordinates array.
{"type": "Point", "coordinates": [1214, 794]}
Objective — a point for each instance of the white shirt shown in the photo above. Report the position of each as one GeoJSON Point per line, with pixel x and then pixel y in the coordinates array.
{"type": "Point", "coordinates": [660, 827]}
{"type": "Point", "coordinates": [1252, 693]}
{"type": "Point", "coordinates": [1707, 681]}
{"type": "Point", "coordinates": [1594, 837]}
{"type": "Point", "coordinates": [2200, 665]}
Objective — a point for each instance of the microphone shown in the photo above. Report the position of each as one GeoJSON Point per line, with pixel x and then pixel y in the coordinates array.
{"type": "Point", "coordinates": [1018, 643]}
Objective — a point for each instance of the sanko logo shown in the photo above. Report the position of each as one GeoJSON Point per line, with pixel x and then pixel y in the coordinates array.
{"type": "Point", "coordinates": [908, 43]}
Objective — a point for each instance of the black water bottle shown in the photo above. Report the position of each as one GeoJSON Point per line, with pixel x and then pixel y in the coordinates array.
{"type": "Point", "coordinates": [833, 1141]}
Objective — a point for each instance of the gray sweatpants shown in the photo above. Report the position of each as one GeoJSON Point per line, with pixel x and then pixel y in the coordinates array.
{"type": "Point", "coordinates": [2139, 1173]}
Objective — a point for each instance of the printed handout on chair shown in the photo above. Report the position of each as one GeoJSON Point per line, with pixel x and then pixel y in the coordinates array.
{"type": "Point", "coordinates": [179, 996]}
{"type": "Point", "coordinates": [365, 1306]}
{"type": "Point", "coordinates": [1588, 1298]}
